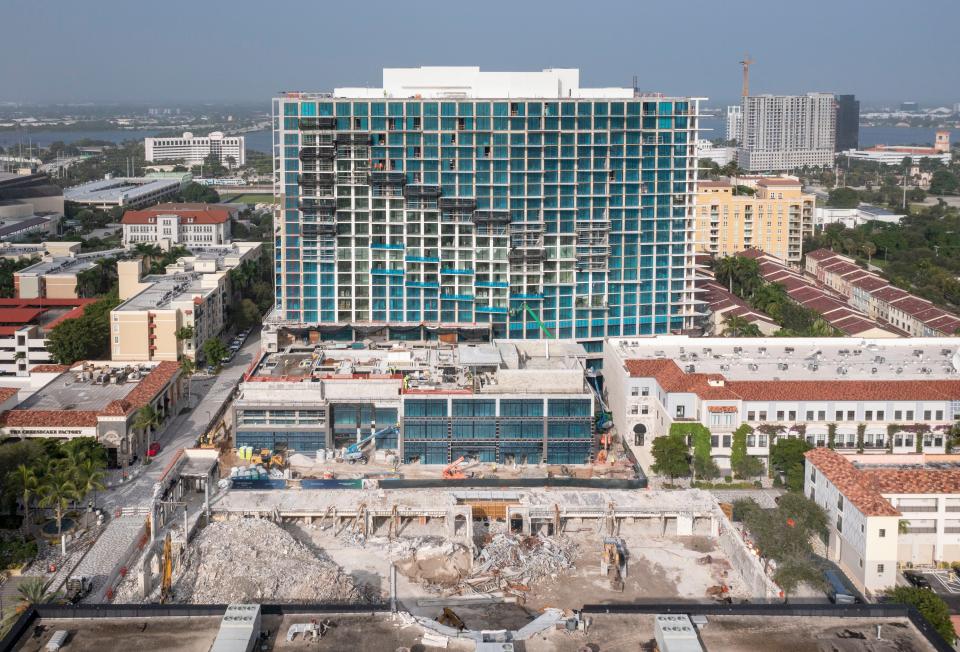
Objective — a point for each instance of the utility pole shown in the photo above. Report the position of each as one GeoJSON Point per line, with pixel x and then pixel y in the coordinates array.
{"type": "Point", "coordinates": [746, 63]}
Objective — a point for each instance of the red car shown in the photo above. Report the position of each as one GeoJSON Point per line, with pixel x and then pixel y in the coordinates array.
{"type": "Point", "coordinates": [154, 449]}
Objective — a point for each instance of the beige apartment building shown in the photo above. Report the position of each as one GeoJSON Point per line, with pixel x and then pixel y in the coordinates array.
{"type": "Point", "coordinates": [775, 219]}
{"type": "Point", "coordinates": [194, 294]}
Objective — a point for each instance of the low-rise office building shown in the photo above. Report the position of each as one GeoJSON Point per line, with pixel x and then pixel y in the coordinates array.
{"type": "Point", "coordinates": [189, 225]}
{"type": "Point", "coordinates": [126, 192]}
{"type": "Point", "coordinates": [194, 150]}
{"type": "Point", "coordinates": [55, 276]}
{"type": "Point", "coordinates": [873, 295]}
{"type": "Point", "coordinates": [509, 402]}
{"type": "Point", "coordinates": [853, 394]}
{"type": "Point", "coordinates": [24, 327]}
{"type": "Point", "coordinates": [774, 217]}
{"type": "Point", "coordinates": [100, 400]}
{"type": "Point", "coordinates": [882, 517]}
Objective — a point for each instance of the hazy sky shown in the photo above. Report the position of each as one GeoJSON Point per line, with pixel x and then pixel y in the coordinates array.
{"type": "Point", "coordinates": [247, 50]}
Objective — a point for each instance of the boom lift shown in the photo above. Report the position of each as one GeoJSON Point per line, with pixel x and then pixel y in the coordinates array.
{"type": "Point", "coordinates": [355, 452]}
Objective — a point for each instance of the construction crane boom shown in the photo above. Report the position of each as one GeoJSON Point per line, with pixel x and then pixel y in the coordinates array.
{"type": "Point", "coordinates": [746, 62]}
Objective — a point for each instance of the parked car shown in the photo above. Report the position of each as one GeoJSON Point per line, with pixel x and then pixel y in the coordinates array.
{"type": "Point", "coordinates": [919, 580]}
{"type": "Point", "coordinates": [154, 449]}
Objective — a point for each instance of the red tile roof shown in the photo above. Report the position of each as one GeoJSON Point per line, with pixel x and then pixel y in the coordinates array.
{"type": "Point", "coordinates": [849, 480]}
{"type": "Point", "coordinates": [49, 369]}
{"type": "Point", "coordinates": [821, 254]}
{"type": "Point", "coordinates": [914, 481]}
{"type": "Point", "coordinates": [673, 379]}
{"type": "Point", "coordinates": [200, 213]}
{"type": "Point", "coordinates": [147, 388]}
{"type": "Point", "coordinates": [50, 418]}
{"type": "Point", "coordinates": [19, 315]}
{"type": "Point", "coordinates": [143, 393]}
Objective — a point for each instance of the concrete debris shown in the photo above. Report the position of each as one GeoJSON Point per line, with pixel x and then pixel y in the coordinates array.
{"type": "Point", "coordinates": [511, 562]}
{"type": "Point", "coordinates": [255, 560]}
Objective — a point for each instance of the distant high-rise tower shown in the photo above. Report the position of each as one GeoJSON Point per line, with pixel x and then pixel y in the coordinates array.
{"type": "Point", "coordinates": [734, 122]}
{"type": "Point", "coordinates": [848, 123]}
{"type": "Point", "coordinates": [785, 132]}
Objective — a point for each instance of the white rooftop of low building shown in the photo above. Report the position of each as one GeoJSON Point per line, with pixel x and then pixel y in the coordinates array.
{"type": "Point", "coordinates": [433, 364]}
{"type": "Point", "coordinates": [455, 82]}
{"type": "Point", "coordinates": [164, 289]}
{"type": "Point", "coordinates": [68, 264]}
{"type": "Point", "coordinates": [112, 189]}
{"type": "Point", "coordinates": [801, 358]}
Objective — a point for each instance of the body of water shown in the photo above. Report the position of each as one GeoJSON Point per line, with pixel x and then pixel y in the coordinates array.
{"type": "Point", "coordinates": [260, 141]}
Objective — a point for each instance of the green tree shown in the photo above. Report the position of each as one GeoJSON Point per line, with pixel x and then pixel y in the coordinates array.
{"type": "Point", "coordinates": [843, 198]}
{"type": "Point", "coordinates": [58, 489]}
{"type": "Point", "coordinates": [248, 314]}
{"type": "Point", "coordinates": [83, 338]}
{"type": "Point", "coordinates": [147, 419]}
{"type": "Point", "coordinates": [792, 572]}
{"type": "Point", "coordinates": [89, 476]}
{"type": "Point", "coordinates": [869, 249]}
{"type": "Point", "coordinates": [214, 351]}
{"type": "Point", "coordinates": [23, 482]}
{"type": "Point", "coordinates": [184, 333]}
{"type": "Point", "coordinates": [786, 456]}
{"type": "Point", "coordinates": [930, 605]}
{"type": "Point", "coordinates": [944, 182]}
{"type": "Point", "coordinates": [670, 457]}
{"type": "Point", "coordinates": [737, 326]}
{"type": "Point", "coordinates": [36, 591]}
{"type": "Point", "coordinates": [743, 465]}
{"type": "Point", "coordinates": [195, 192]}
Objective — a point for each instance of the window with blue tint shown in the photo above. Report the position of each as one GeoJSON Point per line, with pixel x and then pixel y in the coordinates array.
{"type": "Point", "coordinates": [290, 108]}
{"type": "Point", "coordinates": [448, 109]}
{"type": "Point", "coordinates": [395, 109]}
{"type": "Point", "coordinates": [361, 109]}
{"type": "Point", "coordinates": [343, 109]}
{"type": "Point", "coordinates": [308, 109]}
{"type": "Point", "coordinates": [521, 408]}
{"type": "Point", "coordinates": [425, 408]}
{"type": "Point", "coordinates": [325, 109]}
{"type": "Point", "coordinates": [568, 407]}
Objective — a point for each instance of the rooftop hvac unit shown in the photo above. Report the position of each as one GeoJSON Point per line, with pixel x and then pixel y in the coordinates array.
{"type": "Point", "coordinates": [691, 368]}
{"type": "Point", "coordinates": [783, 366]}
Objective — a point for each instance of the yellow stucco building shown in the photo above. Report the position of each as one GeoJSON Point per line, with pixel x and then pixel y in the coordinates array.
{"type": "Point", "coordinates": [775, 219]}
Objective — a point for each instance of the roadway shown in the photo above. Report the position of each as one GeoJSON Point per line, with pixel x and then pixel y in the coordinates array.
{"type": "Point", "coordinates": [207, 396]}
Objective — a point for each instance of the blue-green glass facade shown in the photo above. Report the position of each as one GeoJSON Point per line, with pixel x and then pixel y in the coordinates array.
{"type": "Point", "coordinates": [488, 214]}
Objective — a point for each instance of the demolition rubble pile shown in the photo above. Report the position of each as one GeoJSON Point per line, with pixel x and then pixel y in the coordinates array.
{"type": "Point", "coordinates": [255, 560]}
{"type": "Point", "coordinates": [510, 562]}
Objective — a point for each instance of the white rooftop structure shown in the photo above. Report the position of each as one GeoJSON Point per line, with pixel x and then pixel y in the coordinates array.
{"type": "Point", "coordinates": [470, 82]}
{"type": "Point", "coordinates": [801, 358]}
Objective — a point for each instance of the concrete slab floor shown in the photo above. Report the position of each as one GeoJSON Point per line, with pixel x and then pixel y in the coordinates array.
{"type": "Point", "coordinates": [744, 634]}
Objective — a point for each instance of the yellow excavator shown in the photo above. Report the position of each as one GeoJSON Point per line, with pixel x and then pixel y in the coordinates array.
{"type": "Point", "coordinates": [166, 563]}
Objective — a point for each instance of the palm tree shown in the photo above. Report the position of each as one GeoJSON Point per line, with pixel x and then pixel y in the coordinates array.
{"type": "Point", "coordinates": [869, 249]}
{"type": "Point", "coordinates": [58, 490]}
{"type": "Point", "coordinates": [736, 326]}
{"type": "Point", "coordinates": [89, 477]}
{"type": "Point", "coordinates": [147, 419]}
{"type": "Point", "coordinates": [23, 481]}
{"type": "Point", "coordinates": [35, 591]}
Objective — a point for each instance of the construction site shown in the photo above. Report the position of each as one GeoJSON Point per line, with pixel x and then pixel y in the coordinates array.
{"type": "Point", "coordinates": [477, 559]}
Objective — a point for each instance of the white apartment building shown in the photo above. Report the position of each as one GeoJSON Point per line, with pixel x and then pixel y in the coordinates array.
{"type": "Point", "coordinates": [734, 123]}
{"type": "Point", "coordinates": [853, 394]}
{"type": "Point", "coordinates": [882, 517]}
{"type": "Point", "coordinates": [193, 150]}
{"type": "Point", "coordinates": [784, 132]}
{"type": "Point", "coordinates": [190, 225]}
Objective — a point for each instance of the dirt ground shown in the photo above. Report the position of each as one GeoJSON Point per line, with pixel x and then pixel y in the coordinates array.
{"type": "Point", "coordinates": [658, 568]}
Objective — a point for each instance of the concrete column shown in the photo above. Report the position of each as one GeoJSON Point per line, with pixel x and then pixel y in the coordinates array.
{"type": "Point", "coordinates": [684, 525]}
{"type": "Point", "coordinates": [714, 526]}
{"type": "Point", "coordinates": [206, 497]}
